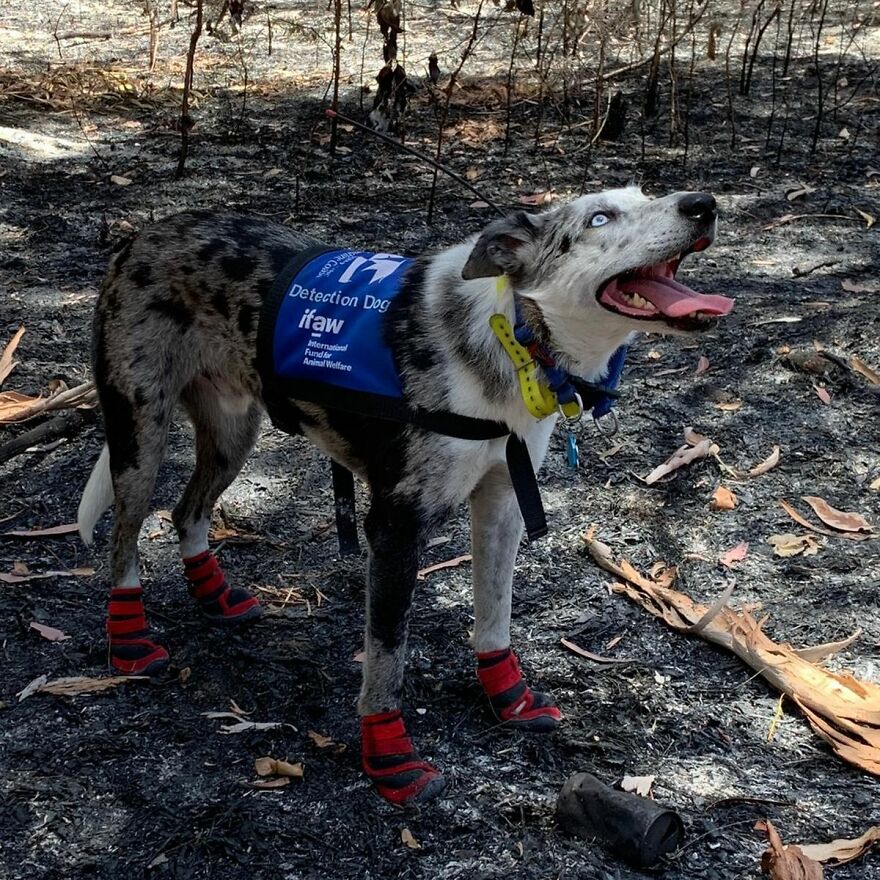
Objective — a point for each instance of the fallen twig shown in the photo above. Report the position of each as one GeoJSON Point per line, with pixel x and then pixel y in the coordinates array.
{"type": "Point", "coordinates": [841, 709]}
{"type": "Point", "coordinates": [15, 407]}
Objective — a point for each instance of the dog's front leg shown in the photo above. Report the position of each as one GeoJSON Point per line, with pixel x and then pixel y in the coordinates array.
{"type": "Point", "coordinates": [496, 529]}
{"type": "Point", "coordinates": [395, 531]}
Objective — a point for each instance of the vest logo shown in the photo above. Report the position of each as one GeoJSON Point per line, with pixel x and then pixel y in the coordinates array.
{"type": "Point", "coordinates": [382, 265]}
{"type": "Point", "coordinates": [320, 323]}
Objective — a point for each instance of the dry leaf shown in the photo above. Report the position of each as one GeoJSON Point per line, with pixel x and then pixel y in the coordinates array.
{"type": "Point", "coordinates": [801, 521]}
{"type": "Point", "coordinates": [841, 851]}
{"type": "Point", "coordinates": [788, 544]}
{"type": "Point", "coordinates": [735, 554]}
{"type": "Point", "coordinates": [767, 464]}
{"type": "Point", "coordinates": [66, 529]}
{"type": "Point", "coordinates": [406, 837]}
{"type": "Point", "coordinates": [15, 578]}
{"type": "Point", "coordinates": [729, 405]}
{"type": "Point", "coordinates": [692, 438]}
{"type": "Point", "coordinates": [841, 709]}
{"type": "Point", "coordinates": [184, 675]}
{"type": "Point", "coordinates": [119, 180]}
{"type": "Point", "coordinates": [325, 742]}
{"type": "Point", "coordinates": [12, 404]}
{"type": "Point", "coordinates": [786, 862]}
{"type": "Point", "coordinates": [589, 655]}
{"type": "Point", "coordinates": [869, 219]}
{"type": "Point", "coordinates": [450, 563]}
{"type": "Point", "coordinates": [640, 785]}
{"type": "Point", "coordinates": [49, 632]}
{"type": "Point", "coordinates": [542, 197]}
{"type": "Point", "coordinates": [702, 365]}
{"type": "Point", "coordinates": [838, 519]}
{"type": "Point", "coordinates": [875, 484]}
{"type": "Point", "coordinates": [479, 204]}
{"type": "Point", "coordinates": [868, 372]}
{"type": "Point", "coordinates": [264, 766]}
{"type": "Point", "coordinates": [267, 784]}
{"type": "Point", "coordinates": [6, 363]}
{"type": "Point", "coordinates": [473, 173]}
{"type": "Point", "coordinates": [722, 499]}
{"type": "Point", "coordinates": [822, 394]}
{"type": "Point", "coordinates": [291, 771]}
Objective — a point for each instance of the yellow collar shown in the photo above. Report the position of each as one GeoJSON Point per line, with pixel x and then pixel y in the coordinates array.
{"type": "Point", "coordinates": [539, 399]}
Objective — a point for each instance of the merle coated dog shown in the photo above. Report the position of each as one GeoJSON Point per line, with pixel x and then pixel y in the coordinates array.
{"type": "Point", "coordinates": [177, 323]}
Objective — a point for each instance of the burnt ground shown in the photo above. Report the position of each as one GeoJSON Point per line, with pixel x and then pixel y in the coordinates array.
{"type": "Point", "coordinates": [138, 781]}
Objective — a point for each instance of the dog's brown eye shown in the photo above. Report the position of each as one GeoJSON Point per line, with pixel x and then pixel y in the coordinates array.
{"type": "Point", "coordinates": [599, 219]}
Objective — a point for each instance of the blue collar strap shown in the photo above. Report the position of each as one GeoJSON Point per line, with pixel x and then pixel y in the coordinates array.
{"type": "Point", "coordinates": [597, 398]}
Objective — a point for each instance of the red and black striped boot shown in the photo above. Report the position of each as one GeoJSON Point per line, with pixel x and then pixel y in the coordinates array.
{"type": "Point", "coordinates": [391, 761]}
{"type": "Point", "coordinates": [130, 648]}
{"type": "Point", "coordinates": [512, 700]}
{"type": "Point", "coordinates": [219, 603]}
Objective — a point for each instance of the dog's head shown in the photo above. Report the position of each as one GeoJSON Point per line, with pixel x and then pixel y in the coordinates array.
{"type": "Point", "coordinates": [604, 265]}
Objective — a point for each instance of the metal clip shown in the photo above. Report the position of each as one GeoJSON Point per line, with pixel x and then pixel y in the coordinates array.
{"type": "Point", "coordinates": [572, 420]}
{"type": "Point", "coordinates": [611, 429]}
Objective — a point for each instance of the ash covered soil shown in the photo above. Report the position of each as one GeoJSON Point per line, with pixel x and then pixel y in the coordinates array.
{"type": "Point", "coordinates": [139, 781]}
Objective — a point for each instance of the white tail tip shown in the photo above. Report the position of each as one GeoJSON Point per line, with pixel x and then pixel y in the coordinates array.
{"type": "Point", "coordinates": [97, 496]}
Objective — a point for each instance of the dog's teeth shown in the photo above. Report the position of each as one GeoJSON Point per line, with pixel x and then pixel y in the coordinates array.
{"type": "Point", "coordinates": [639, 301]}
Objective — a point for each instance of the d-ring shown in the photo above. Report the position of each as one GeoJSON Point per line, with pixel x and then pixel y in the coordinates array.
{"type": "Point", "coordinates": [572, 420]}
{"type": "Point", "coordinates": [611, 429]}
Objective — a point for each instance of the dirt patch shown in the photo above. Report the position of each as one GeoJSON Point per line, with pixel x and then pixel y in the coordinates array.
{"type": "Point", "coordinates": [138, 779]}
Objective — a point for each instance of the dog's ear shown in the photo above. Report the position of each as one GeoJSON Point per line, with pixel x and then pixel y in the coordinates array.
{"type": "Point", "coordinates": [502, 245]}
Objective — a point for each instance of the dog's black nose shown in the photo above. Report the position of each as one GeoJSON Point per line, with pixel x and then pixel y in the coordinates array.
{"type": "Point", "coordinates": [698, 206]}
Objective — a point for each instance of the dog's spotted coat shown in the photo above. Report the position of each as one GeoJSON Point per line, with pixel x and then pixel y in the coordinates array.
{"type": "Point", "coordinates": [176, 322]}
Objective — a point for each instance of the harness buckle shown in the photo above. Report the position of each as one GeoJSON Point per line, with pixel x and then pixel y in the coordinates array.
{"type": "Point", "coordinates": [607, 425]}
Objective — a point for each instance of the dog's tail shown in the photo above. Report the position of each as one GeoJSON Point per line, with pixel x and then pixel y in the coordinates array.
{"type": "Point", "coordinates": [97, 496]}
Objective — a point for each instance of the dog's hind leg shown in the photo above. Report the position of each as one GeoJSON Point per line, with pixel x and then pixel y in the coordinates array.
{"type": "Point", "coordinates": [496, 529]}
{"type": "Point", "coordinates": [394, 532]}
{"type": "Point", "coordinates": [226, 426]}
{"type": "Point", "coordinates": [136, 429]}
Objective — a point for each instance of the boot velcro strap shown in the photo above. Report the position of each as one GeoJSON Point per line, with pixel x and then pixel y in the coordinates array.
{"type": "Point", "coordinates": [116, 608]}
{"type": "Point", "coordinates": [501, 676]}
{"type": "Point", "coordinates": [127, 626]}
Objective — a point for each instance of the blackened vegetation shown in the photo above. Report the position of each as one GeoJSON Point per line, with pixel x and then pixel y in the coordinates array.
{"type": "Point", "coordinates": [100, 787]}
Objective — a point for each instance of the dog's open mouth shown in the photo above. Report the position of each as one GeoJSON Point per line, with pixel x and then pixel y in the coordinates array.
{"type": "Point", "coordinates": [652, 293]}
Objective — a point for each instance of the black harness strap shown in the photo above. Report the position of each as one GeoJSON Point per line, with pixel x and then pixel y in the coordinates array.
{"type": "Point", "coordinates": [528, 496]}
{"type": "Point", "coordinates": [343, 502]}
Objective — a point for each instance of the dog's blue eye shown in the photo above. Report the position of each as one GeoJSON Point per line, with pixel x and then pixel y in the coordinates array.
{"type": "Point", "coordinates": [599, 219]}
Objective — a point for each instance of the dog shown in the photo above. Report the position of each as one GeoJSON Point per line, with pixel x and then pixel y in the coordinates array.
{"type": "Point", "coordinates": [176, 322]}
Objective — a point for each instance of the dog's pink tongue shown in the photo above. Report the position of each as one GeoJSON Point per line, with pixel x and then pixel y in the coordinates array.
{"type": "Point", "coordinates": [674, 299]}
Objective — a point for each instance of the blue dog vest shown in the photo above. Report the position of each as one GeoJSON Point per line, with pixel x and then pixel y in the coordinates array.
{"type": "Point", "coordinates": [329, 324]}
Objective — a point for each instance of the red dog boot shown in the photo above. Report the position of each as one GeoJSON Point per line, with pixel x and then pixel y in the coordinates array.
{"type": "Point", "coordinates": [131, 650]}
{"type": "Point", "coordinates": [391, 761]}
{"type": "Point", "coordinates": [512, 700]}
{"type": "Point", "coordinates": [220, 603]}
